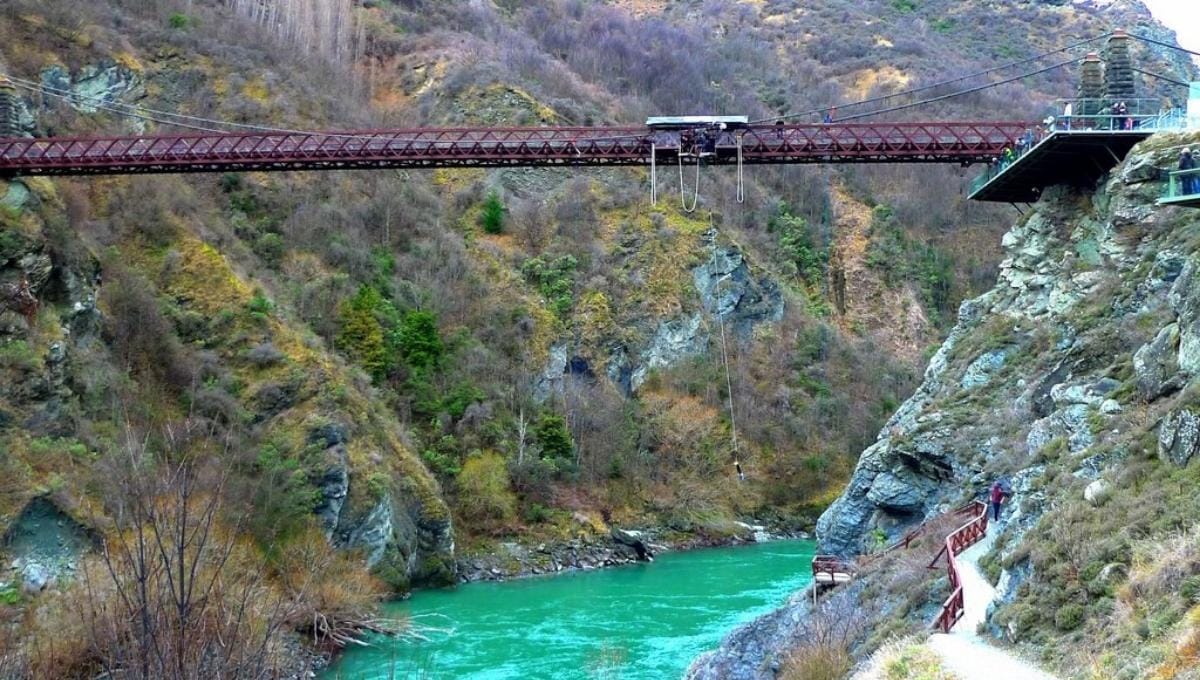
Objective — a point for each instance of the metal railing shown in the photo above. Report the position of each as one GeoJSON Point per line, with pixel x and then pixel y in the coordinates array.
{"type": "Point", "coordinates": [1135, 119]}
{"type": "Point", "coordinates": [1183, 184]}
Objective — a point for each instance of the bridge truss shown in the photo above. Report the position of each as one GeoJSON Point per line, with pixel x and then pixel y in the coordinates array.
{"type": "Point", "coordinates": [917, 142]}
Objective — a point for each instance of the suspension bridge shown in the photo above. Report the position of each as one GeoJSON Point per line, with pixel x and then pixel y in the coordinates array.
{"type": "Point", "coordinates": [1023, 156]}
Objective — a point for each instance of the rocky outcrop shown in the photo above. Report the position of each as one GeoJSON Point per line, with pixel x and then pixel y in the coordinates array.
{"type": "Point", "coordinates": [405, 537]}
{"type": "Point", "coordinates": [44, 545]}
{"type": "Point", "coordinates": [1156, 364]}
{"type": "Point", "coordinates": [674, 340]}
{"type": "Point", "coordinates": [1036, 379]}
{"type": "Point", "coordinates": [729, 289]}
{"type": "Point", "coordinates": [95, 85]}
{"type": "Point", "coordinates": [1179, 437]}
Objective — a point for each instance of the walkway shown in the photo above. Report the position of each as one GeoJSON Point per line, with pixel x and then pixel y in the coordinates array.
{"type": "Point", "coordinates": [963, 652]}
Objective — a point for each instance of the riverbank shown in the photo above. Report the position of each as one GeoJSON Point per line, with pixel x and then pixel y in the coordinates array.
{"type": "Point", "coordinates": [507, 560]}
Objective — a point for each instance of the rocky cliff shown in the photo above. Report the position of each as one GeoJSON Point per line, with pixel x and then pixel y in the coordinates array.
{"type": "Point", "coordinates": [1071, 379]}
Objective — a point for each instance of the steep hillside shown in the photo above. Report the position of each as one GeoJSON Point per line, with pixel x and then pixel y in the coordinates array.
{"type": "Point", "coordinates": [1074, 381]}
{"type": "Point", "coordinates": [412, 366]}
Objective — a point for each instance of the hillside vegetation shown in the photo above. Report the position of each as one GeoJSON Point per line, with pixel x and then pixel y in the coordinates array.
{"type": "Point", "coordinates": [356, 377]}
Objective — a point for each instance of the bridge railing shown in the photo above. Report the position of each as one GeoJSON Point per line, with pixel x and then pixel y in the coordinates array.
{"type": "Point", "coordinates": [957, 541]}
{"type": "Point", "coordinates": [1182, 184]}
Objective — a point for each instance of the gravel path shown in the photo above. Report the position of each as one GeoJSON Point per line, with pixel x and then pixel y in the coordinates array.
{"type": "Point", "coordinates": [963, 652]}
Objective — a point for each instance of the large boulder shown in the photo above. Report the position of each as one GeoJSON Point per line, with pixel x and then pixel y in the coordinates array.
{"type": "Point", "coordinates": [635, 540]}
{"type": "Point", "coordinates": [1179, 436]}
{"type": "Point", "coordinates": [1156, 364]}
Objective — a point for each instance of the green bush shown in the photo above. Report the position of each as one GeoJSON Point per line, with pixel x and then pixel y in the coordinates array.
{"type": "Point", "coordinates": [552, 435]}
{"type": "Point", "coordinates": [555, 279]}
{"type": "Point", "coordinates": [10, 596]}
{"type": "Point", "coordinates": [798, 244]}
{"type": "Point", "coordinates": [284, 498]}
{"type": "Point", "coordinates": [361, 334]}
{"type": "Point", "coordinates": [492, 217]}
{"type": "Point", "coordinates": [260, 306]}
{"type": "Point", "coordinates": [537, 513]}
{"type": "Point", "coordinates": [484, 496]}
{"type": "Point", "coordinates": [1068, 617]}
{"type": "Point", "coordinates": [1190, 589]}
{"type": "Point", "coordinates": [443, 463]}
{"type": "Point", "coordinates": [180, 21]}
{"type": "Point", "coordinates": [270, 247]}
{"type": "Point", "coordinates": [419, 343]}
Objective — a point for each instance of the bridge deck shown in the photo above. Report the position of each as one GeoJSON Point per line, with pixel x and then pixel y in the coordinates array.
{"type": "Point", "coordinates": [940, 142]}
{"type": "Point", "coordinates": [1073, 157]}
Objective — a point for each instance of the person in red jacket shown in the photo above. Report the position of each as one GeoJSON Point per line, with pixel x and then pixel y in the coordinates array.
{"type": "Point", "coordinates": [997, 497]}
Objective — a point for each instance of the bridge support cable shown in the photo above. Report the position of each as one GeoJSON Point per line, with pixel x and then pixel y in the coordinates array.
{"type": "Point", "coordinates": [940, 83]}
{"type": "Point", "coordinates": [959, 93]}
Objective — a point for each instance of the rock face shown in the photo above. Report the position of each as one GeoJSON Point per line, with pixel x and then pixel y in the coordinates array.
{"type": "Point", "coordinates": [1157, 366]}
{"type": "Point", "coordinates": [95, 85]}
{"type": "Point", "coordinates": [45, 545]}
{"type": "Point", "coordinates": [1036, 377]}
{"type": "Point", "coordinates": [405, 537]}
{"type": "Point", "coordinates": [729, 289]}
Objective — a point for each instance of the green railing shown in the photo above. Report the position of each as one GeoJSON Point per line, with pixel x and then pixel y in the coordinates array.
{"type": "Point", "coordinates": [1137, 118]}
{"type": "Point", "coordinates": [1183, 184]}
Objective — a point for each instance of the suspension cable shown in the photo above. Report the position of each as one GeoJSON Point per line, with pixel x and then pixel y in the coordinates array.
{"type": "Point", "coordinates": [930, 86]}
{"type": "Point", "coordinates": [1160, 43]}
{"type": "Point", "coordinates": [960, 93]}
{"type": "Point", "coordinates": [153, 116]}
{"type": "Point", "coordinates": [1161, 77]}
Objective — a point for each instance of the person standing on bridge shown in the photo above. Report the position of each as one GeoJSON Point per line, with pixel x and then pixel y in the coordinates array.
{"type": "Point", "coordinates": [1187, 182]}
{"type": "Point", "coordinates": [1068, 111]}
{"type": "Point", "coordinates": [997, 497]}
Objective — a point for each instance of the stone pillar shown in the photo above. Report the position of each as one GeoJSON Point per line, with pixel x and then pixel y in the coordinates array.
{"type": "Point", "coordinates": [10, 124]}
{"type": "Point", "coordinates": [1119, 83]}
{"type": "Point", "coordinates": [1091, 86]}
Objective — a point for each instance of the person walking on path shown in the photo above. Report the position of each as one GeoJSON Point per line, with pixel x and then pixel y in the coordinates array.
{"type": "Point", "coordinates": [997, 497]}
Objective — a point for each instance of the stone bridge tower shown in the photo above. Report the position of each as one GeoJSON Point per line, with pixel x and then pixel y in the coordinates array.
{"type": "Point", "coordinates": [1119, 82]}
{"type": "Point", "coordinates": [1091, 86]}
{"type": "Point", "coordinates": [10, 122]}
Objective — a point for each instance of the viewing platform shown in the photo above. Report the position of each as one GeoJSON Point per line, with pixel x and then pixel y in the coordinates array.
{"type": "Point", "coordinates": [1183, 189]}
{"type": "Point", "coordinates": [1075, 151]}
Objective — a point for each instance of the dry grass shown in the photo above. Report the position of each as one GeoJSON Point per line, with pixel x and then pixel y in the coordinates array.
{"type": "Point", "coordinates": [904, 659]}
{"type": "Point", "coordinates": [825, 639]}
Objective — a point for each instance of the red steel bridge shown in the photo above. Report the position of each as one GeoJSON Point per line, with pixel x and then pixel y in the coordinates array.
{"type": "Point", "coordinates": [930, 142]}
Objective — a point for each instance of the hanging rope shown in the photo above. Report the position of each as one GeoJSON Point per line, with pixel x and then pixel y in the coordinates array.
{"type": "Point", "coordinates": [683, 190]}
{"type": "Point", "coordinates": [737, 462]}
{"type": "Point", "coordinates": [653, 175]}
{"type": "Point", "coordinates": [741, 182]}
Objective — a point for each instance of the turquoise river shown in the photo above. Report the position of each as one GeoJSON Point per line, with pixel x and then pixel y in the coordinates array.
{"type": "Point", "coordinates": [633, 622]}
